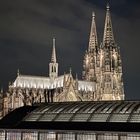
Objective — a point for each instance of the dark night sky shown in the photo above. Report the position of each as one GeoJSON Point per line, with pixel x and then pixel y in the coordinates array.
{"type": "Point", "coordinates": [28, 26]}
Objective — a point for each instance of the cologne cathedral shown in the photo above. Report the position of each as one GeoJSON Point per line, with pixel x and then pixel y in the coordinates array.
{"type": "Point", "coordinates": [101, 76]}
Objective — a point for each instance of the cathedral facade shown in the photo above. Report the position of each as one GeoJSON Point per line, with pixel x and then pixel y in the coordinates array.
{"type": "Point", "coordinates": [101, 76]}
{"type": "Point", "coordinates": [102, 63]}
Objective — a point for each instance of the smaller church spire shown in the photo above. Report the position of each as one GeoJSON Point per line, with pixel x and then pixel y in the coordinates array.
{"type": "Point", "coordinates": [93, 42]}
{"type": "Point", "coordinates": [53, 66]}
{"type": "Point", "coordinates": [70, 70]}
{"type": "Point", "coordinates": [53, 59]}
{"type": "Point", "coordinates": [108, 30]}
{"type": "Point", "coordinates": [18, 73]}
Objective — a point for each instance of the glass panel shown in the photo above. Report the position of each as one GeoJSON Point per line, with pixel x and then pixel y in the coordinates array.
{"type": "Point", "coordinates": [30, 136]}
{"type": "Point", "coordinates": [130, 109]}
{"type": "Point", "coordinates": [74, 109]}
{"type": "Point", "coordinates": [64, 117]}
{"type": "Point", "coordinates": [51, 136]}
{"type": "Point", "coordinates": [126, 108]}
{"type": "Point", "coordinates": [119, 118]}
{"type": "Point", "coordinates": [104, 106]}
{"type": "Point", "coordinates": [69, 108]}
{"type": "Point", "coordinates": [68, 136]}
{"type": "Point", "coordinates": [107, 137]}
{"type": "Point", "coordinates": [133, 137]}
{"type": "Point", "coordinates": [94, 108]}
{"type": "Point", "coordinates": [42, 136]}
{"type": "Point", "coordinates": [105, 110]}
{"type": "Point", "coordinates": [119, 108]}
{"type": "Point", "coordinates": [58, 108]}
{"type": "Point", "coordinates": [33, 117]}
{"type": "Point", "coordinates": [135, 118]}
{"type": "Point", "coordinates": [88, 108]}
{"type": "Point", "coordinates": [13, 136]}
{"type": "Point", "coordinates": [2, 135]}
{"type": "Point", "coordinates": [48, 108]}
{"type": "Point", "coordinates": [122, 137]}
{"type": "Point", "coordinates": [47, 136]}
{"type": "Point", "coordinates": [43, 109]}
{"type": "Point", "coordinates": [86, 137]}
{"type": "Point", "coordinates": [81, 117]}
{"type": "Point", "coordinates": [111, 109]}
{"type": "Point", "coordinates": [99, 117]}
{"type": "Point", "coordinates": [47, 117]}
{"type": "Point", "coordinates": [137, 110]}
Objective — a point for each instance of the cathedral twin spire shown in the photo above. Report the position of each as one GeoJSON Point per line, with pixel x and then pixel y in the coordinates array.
{"type": "Point", "coordinates": [108, 36]}
{"type": "Point", "coordinates": [108, 30]}
{"type": "Point", "coordinates": [93, 42]}
{"type": "Point", "coordinates": [102, 64]}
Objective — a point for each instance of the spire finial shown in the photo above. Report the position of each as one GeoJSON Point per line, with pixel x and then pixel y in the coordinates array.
{"type": "Point", "coordinates": [53, 41]}
{"type": "Point", "coordinates": [18, 73]}
{"type": "Point", "coordinates": [107, 6]}
{"type": "Point", "coordinates": [70, 70]}
{"type": "Point", "coordinates": [93, 14]}
{"type": "Point", "coordinates": [53, 59]}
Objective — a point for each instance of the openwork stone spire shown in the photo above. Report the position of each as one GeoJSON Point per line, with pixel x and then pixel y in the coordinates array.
{"type": "Point", "coordinates": [53, 58]}
{"type": "Point", "coordinates": [93, 42]}
{"type": "Point", "coordinates": [108, 31]}
{"type": "Point", "coordinates": [53, 66]}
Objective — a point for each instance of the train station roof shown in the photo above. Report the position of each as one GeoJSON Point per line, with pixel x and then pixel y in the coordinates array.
{"type": "Point", "coordinates": [114, 115]}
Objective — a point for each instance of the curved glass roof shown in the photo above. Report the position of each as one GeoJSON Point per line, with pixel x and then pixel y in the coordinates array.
{"type": "Point", "coordinates": [99, 111]}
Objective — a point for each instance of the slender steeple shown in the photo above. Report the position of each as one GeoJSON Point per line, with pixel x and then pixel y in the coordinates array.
{"type": "Point", "coordinates": [53, 59]}
{"type": "Point", "coordinates": [93, 42]}
{"type": "Point", "coordinates": [108, 31]}
{"type": "Point", "coordinates": [91, 53]}
{"type": "Point", "coordinates": [53, 66]}
{"type": "Point", "coordinates": [18, 73]}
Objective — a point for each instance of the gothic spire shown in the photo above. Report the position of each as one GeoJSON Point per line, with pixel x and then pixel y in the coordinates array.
{"type": "Point", "coordinates": [108, 30]}
{"type": "Point", "coordinates": [53, 66]}
{"type": "Point", "coordinates": [93, 42]}
{"type": "Point", "coordinates": [18, 73]}
{"type": "Point", "coordinates": [53, 58]}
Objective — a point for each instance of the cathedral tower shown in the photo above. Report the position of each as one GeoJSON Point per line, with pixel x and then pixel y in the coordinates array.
{"type": "Point", "coordinates": [90, 55]}
{"type": "Point", "coordinates": [102, 65]}
{"type": "Point", "coordinates": [53, 65]}
{"type": "Point", "coordinates": [111, 67]}
{"type": "Point", "coordinates": [108, 30]}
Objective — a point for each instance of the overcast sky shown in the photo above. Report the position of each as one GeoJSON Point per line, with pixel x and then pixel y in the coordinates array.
{"type": "Point", "coordinates": [28, 26]}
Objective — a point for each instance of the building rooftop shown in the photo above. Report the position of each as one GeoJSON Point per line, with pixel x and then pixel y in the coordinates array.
{"type": "Point", "coordinates": [105, 111]}
{"type": "Point", "coordinates": [66, 115]}
{"type": "Point", "coordinates": [42, 82]}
